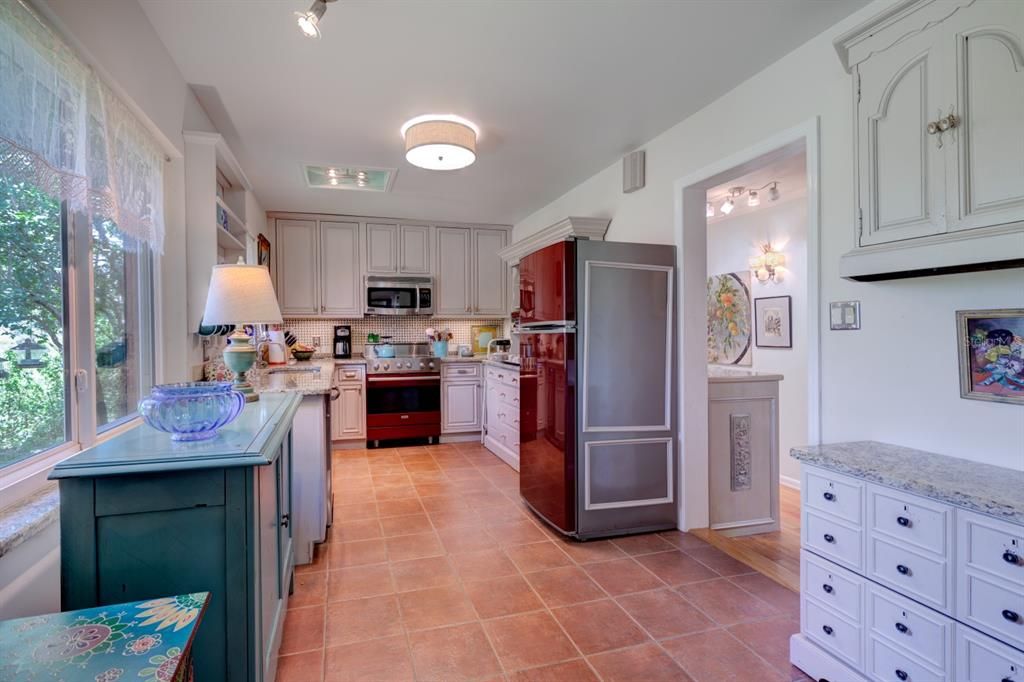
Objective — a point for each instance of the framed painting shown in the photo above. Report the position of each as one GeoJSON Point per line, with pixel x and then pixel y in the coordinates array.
{"type": "Point", "coordinates": [729, 319]}
{"type": "Point", "coordinates": [262, 251]}
{"type": "Point", "coordinates": [481, 335]}
{"type": "Point", "coordinates": [991, 354]}
{"type": "Point", "coordinates": [773, 322]}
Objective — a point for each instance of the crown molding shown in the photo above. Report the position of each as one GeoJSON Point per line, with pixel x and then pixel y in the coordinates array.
{"type": "Point", "coordinates": [572, 227]}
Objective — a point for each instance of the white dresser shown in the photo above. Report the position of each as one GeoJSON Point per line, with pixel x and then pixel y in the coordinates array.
{"type": "Point", "coordinates": [912, 567]}
{"type": "Point", "coordinates": [501, 411]}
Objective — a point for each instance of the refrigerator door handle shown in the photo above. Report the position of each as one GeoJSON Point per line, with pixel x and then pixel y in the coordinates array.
{"type": "Point", "coordinates": [552, 324]}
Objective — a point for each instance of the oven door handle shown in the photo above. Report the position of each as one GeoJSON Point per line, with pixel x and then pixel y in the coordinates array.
{"type": "Point", "coordinates": [373, 379]}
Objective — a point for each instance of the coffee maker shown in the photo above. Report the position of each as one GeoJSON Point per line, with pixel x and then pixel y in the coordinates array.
{"type": "Point", "coordinates": [343, 341]}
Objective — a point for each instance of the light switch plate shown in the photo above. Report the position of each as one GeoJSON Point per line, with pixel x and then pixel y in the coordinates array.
{"type": "Point", "coordinates": [844, 315]}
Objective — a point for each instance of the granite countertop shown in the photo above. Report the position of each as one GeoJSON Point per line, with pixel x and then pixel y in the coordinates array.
{"type": "Point", "coordinates": [29, 516]}
{"type": "Point", "coordinates": [502, 365]}
{"type": "Point", "coordinates": [316, 381]}
{"type": "Point", "coordinates": [460, 358]}
{"type": "Point", "coordinates": [983, 488]}
{"type": "Point", "coordinates": [719, 374]}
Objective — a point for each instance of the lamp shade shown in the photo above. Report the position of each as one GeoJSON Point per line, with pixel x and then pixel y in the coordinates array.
{"type": "Point", "coordinates": [241, 294]}
{"type": "Point", "coordinates": [440, 142]}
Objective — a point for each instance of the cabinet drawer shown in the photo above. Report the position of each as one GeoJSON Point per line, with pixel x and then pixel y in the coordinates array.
{"type": "Point", "coordinates": [832, 586]}
{"type": "Point", "coordinates": [911, 627]}
{"type": "Point", "coordinates": [838, 636]}
{"type": "Point", "coordinates": [886, 663]}
{"type": "Point", "coordinates": [911, 520]}
{"type": "Point", "coordinates": [509, 377]}
{"type": "Point", "coordinates": [508, 417]}
{"type": "Point", "coordinates": [504, 435]}
{"type": "Point", "coordinates": [995, 607]}
{"type": "Point", "coordinates": [920, 576]}
{"type": "Point", "coordinates": [979, 658]}
{"type": "Point", "coordinates": [991, 546]}
{"type": "Point", "coordinates": [836, 495]}
{"type": "Point", "coordinates": [500, 393]}
{"type": "Point", "coordinates": [832, 539]}
{"type": "Point", "coordinates": [344, 373]}
{"type": "Point", "coordinates": [460, 370]}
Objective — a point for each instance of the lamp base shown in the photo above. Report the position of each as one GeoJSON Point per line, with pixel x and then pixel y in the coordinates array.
{"type": "Point", "coordinates": [239, 356]}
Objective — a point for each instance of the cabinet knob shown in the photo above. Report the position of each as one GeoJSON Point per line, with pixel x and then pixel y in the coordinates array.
{"type": "Point", "coordinates": [903, 570]}
{"type": "Point", "coordinates": [901, 628]}
{"type": "Point", "coordinates": [903, 521]}
{"type": "Point", "coordinates": [827, 629]}
{"type": "Point", "coordinates": [284, 520]}
{"type": "Point", "coordinates": [1011, 558]}
{"type": "Point", "coordinates": [1011, 616]}
{"type": "Point", "coordinates": [830, 497]}
{"type": "Point", "coordinates": [830, 538]}
{"type": "Point", "coordinates": [901, 674]}
{"type": "Point", "coordinates": [828, 588]}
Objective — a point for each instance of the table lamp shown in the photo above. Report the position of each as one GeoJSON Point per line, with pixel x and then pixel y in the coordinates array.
{"type": "Point", "coordinates": [239, 295]}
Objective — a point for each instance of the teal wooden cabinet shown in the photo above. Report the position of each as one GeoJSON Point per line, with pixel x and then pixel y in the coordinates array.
{"type": "Point", "coordinates": [143, 517]}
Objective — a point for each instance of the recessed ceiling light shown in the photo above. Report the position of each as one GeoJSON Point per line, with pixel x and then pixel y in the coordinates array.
{"type": "Point", "coordinates": [440, 141]}
{"type": "Point", "coordinates": [337, 176]}
{"type": "Point", "coordinates": [309, 22]}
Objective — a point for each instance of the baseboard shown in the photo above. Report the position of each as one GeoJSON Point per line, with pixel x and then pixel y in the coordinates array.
{"type": "Point", "coordinates": [348, 445]}
{"type": "Point", "coordinates": [793, 483]}
{"type": "Point", "coordinates": [460, 437]}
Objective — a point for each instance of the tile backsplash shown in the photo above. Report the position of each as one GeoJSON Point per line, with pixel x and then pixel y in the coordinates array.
{"type": "Point", "coordinates": [403, 329]}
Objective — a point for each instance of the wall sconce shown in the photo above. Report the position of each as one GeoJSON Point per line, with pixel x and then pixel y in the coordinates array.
{"type": "Point", "coordinates": [765, 266]}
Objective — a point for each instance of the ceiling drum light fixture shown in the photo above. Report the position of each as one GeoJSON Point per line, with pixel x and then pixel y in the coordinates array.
{"type": "Point", "coordinates": [309, 22]}
{"type": "Point", "coordinates": [440, 141]}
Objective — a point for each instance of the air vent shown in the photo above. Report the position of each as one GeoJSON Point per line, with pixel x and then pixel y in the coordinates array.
{"type": "Point", "coordinates": [359, 179]}
{"type": "Point", "coordinates": [633, 171]}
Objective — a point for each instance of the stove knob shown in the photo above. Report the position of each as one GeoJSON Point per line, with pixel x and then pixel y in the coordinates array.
{"type": "Point", "coordinates": [430, 365]}
{"type": "Point", "coordinates": [408, 364]}
{"type": "Point", "coordinates": [387, 366]}
{"type": "Point", "coordinates": [376, 365]}
{"type": "Point", "coordinates": [423, 365]}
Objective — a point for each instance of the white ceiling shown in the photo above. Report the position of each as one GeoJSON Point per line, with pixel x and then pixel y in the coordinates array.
{"type": "Point", "coordinates": [560, 89]}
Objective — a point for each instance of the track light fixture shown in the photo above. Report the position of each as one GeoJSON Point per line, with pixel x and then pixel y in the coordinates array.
{"type": "Point", "coordinates": [309, 22]}
{"type": "Point", "coordinates": [753, 198]}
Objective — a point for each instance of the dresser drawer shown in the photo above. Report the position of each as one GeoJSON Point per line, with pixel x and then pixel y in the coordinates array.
{"type": "Point", "coordinates": [995, 607]}
{"type": "Point", "coordinates": [500, 393]}
{"type": "Point", "coordinates": [833, 494]}
{"type": "Point", "coordinates": [979, 658]}
{"type": "Point", "coordinates": [911, 627]}
{"type": "Point", "coordinates": [887, 663]}
{"type": "Point", "coordinates": [991, 546]}
{"type": "Point", "coordinates": [461, 370]}
{"type": "Point", "coordinates": [504, 376]}
{"type": "Point", "coordinates": [504, 435]}
{"type": "Point", "coordinates": [346, 373]}
{"type": "Point", "coordinates": [835, 587]}
{"type": "Point", "coordinates": [911, 520]}
{"type": "Point", "coordinates": [922, 577]}
{"type": "Point", "coordinates": [838, 636]}
{"type": "Point", "coordinates": [832, 539]}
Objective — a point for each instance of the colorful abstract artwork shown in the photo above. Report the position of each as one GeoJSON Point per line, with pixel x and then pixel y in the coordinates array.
{"type": "Point", "coordinates": [729, 319]}
{"type": "Point", "coordinates": [991, 355]}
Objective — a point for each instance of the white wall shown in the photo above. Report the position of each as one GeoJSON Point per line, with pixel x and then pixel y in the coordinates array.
{"type": "Point", "coordinates": [895, 380]}
{"type": "Point", "coordinates": [732, 241]}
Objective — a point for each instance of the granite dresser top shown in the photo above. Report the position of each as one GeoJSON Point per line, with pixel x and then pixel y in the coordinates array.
{"type": "Point", "coordinates": [724, 375]}
{"type": "Point", "coordinates": [313, 377]}
{"type": "Point", "coordinates": [984, 488]}
{"type": "Point", "coordinates": [464, 358]}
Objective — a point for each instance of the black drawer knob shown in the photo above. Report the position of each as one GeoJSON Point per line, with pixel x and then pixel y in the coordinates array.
{"type": "Point", "coordinates": [1011, 616]}
{"type": "Point", "coordinates": [830, 497]}
{"type": "Point", "coordinates": [829, 538]}
{"type": "Point", "coordinates": [1006, 679]}
{"type": "Point", "coordinates": [1011, 558]}
{"type": "Point", "coordinates": [827, 629]}
{"type": "Point", "coordinates": [901, 674]}
{"type": "Point", "coordinates": [900, 627]}
{"type": "Point", "coordinates": [903, 521]}
{"type": "Point", "coordinates": [828, 588]}
{"type": "Point", "coordinates": [284, 520]}
{"type": "Point", "coordinates": [903, 570]}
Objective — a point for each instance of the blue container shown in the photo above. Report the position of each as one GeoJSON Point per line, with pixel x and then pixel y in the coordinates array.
{"type": "Point", "coordinates": [192, 411]}
{"type": "Point", "coordinates": [440, 349]}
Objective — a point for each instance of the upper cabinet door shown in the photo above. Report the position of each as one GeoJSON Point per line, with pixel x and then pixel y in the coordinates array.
{"type": "Point", "coordinates": [339, 274]}
{"type": "Point", "coordinates": [452, 273]}
{"type": "Point", "coordinates": [900, 164]}
{"type": "Point", "coordinates": [298, 288]}
{"type": "Point", "coordinates": [490, 276]}
{"type": "Point", "coordinates": [986, 163]}
{"type": "Point", "coordinates": [381, 249]}
{"type": "Point", "coordinates": [414, 250]}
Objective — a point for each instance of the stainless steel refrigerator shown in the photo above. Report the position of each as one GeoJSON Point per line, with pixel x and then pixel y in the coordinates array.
{"type": "Point", "coordinates": [597, 387]}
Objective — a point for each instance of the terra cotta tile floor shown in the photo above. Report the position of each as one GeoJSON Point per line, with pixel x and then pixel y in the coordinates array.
{"type": "Point", "coordinates": [434, 570]}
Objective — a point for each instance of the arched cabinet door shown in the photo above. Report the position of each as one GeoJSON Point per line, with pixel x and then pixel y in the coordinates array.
{"type": "Point", "coordinates": [899, 163]}
{"type": "Point", "coordinates": [985, 182]}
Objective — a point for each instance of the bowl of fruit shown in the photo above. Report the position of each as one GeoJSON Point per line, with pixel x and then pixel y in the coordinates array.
{"type": "Point", "coordinates": [302, 352]}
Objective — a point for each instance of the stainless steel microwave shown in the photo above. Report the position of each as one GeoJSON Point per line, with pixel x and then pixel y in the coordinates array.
{"type": "Point", "coordinates": [391, 295]}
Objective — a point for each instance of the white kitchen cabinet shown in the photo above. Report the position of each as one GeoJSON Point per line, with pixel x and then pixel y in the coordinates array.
{"type": "Point", "coordinates": [490, 273]}
{"type": "Point", "coordinates": [348, 414]}
{"type": "Point", "coordinates": [414, 250]}
{"type": "Point", "coordinates": [381, 249]}
{"type": "Point", "coordinates": [393, 249]}
{"type": "Point", "coordinates": [298, 249]}
{"type": "Point", "coordinates": [938, 92]}
{"type": "Point", "coordinates": [452, 272]}
{"type": "Point", "coordinates": [340, 285]}
{"type": "Point", "coordinates": [461, 405]}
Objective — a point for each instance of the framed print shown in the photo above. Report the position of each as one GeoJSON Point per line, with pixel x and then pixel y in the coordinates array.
{"type": "Point", "coordinates": [262, 251]}
{"type": "Point", "coordinates": [729, 319]}
{"type": "Point", "coordinates": [991, 352]}
{"type": "Point", "coordinates": [773, 322]}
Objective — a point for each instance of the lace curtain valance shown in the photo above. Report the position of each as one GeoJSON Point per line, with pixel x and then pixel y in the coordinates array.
{"type": "Point", "coordinates": [64, 131]}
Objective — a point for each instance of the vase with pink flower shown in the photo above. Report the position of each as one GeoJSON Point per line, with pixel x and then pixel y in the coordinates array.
{"type": "Point", "coordinates": [439, 339]}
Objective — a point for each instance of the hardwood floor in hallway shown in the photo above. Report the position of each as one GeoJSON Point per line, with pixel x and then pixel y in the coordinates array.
{"type": "Point", "coordinates": [435, 570]}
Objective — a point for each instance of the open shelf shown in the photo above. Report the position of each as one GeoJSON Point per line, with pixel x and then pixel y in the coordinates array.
{"type": "Point", "coordinates": [228, 241]}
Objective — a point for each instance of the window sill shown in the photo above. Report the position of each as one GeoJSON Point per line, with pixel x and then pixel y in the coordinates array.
{"type": "Point", "coordinates": [28, 517]}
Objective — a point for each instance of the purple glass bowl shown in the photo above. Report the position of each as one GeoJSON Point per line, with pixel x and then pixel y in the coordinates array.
{"type": "Point", "coordinates": [192, 411]}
